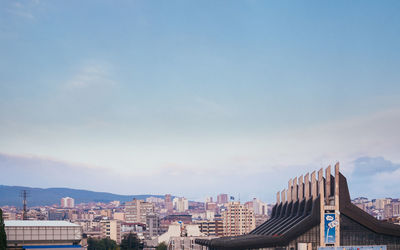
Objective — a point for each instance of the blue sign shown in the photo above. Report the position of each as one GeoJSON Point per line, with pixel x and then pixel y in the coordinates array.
{"type": "Point", "coordinates": [354, 248]}
{"type": "Point", "coordinates": [330, 228]}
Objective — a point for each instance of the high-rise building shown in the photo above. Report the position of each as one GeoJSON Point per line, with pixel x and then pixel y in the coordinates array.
{"type": "Point", "coordinates": [111, 229]}
{"type": "Point", "coordinates": [168, 203]}
{"type": "Point", "coordinates": [119, 216]}
{"type": "Point", "coordinates": [136, 211]}
{"type": "Point", "coordinates": [153, 225]}
{"type": "Point", "coordinates": [222, 198]}
{"type": "Point", "coordinates": [258, 207]}
{"type": "Point", "coordinates": [211, 206]}
{"type": "Point", "coordinates": [67, 202]}
{"type": "Point", "coordinates": [154, 199]}
{"type": "Point", "coordinates": [181, 204]}
{"type": "Point", "coordinates": [211, 227]}
{"type": "Point", "coordinates": [237, 219]}
{"type": "Point", "coordinates": [380, 203]}
{"type": "Point", "coordinates": [391, 210]}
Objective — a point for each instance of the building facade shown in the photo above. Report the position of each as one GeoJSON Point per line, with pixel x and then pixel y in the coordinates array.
{"type": "Point", "coordinates": [153, 225]}
{"type": "Point", "coordinates": [315, 213]}
{"type": "Point", "coordinates": [22, 232]}
{"type": "Point", "coordinates": [237, 219]}
{"type": "Point", "coordinates": [111, 229]}
{"type": "Point", "coordinates": [222, 198]}
{"type": "Point", "coordinates": [67, 202]}
{"type": "Point", "coordinates": [180, 204]}
{"type": "Point", "coordinates": [137, 210]}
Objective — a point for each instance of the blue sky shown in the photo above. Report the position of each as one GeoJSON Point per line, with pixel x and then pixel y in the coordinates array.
{"type": "Point", "coordinates": [198, 91]}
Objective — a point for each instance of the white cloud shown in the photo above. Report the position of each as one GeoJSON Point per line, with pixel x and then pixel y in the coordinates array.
{"type": "Point", "coordinates": [92, 74]}
{"type": "Point", "coordinates": [24, 9]}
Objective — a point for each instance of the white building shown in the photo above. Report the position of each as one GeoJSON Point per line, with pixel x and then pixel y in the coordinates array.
{"type": "Point", "coordinates": [27, 232]}
{"type": "Point", "coordinates": [67, 202]}
{"type": "Point", "coordinates": [181, 204]}
{"type": "Point", "coordinates": [136, 211]}
{"type": "Point", "coordinates": [180, 236]}
{"type": "Point", "coordinates": [259, 207]}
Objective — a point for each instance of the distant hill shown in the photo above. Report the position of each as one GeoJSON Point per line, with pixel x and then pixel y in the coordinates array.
{"type": "Point", "coordinates": [10, 195]}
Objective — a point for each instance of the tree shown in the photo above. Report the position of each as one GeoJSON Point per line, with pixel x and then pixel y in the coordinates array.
{"type": "Point", "coordinates": [3, 236]}
{"type": "Point", "coordinates": [162, 246]}
{"type": "Point", "coordinates": [103, 244]}
{"type": "Point", "coordinates": [131, 242]}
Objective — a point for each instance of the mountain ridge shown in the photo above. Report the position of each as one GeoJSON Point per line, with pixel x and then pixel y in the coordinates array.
{"type": "Point", "coordinates": [11, 195]}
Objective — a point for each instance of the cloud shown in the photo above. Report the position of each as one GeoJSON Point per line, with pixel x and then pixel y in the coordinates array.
{"type": "Point", "coordinates": [366, 167]}
{"type": "Point", "coordinates": [24, 9]}
{"type": "Point", "coordinates": [92, 74]}
{"type": "Point", "coordinates": [375, 177]}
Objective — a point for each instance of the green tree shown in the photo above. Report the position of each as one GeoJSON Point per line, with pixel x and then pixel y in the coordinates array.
{"type": "Point", "coordinates": [3, 236]}
{"type": "Point", "coordinates": [131, 242]}
{"type": "Point", "coordinates": [162, 246]}
{"type": "Point", "coordinates": [103, 244]}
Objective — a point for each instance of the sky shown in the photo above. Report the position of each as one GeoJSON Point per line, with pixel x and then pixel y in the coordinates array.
{"type": "Point", "coordinates": [197, 98]}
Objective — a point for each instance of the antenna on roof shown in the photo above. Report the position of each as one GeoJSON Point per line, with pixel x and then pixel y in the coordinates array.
{"type": "Point", "coordinates": [24, 195]}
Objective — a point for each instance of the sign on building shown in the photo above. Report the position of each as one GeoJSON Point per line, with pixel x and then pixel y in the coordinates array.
{"type": "Point", "coordinates": [330, 228]}
{"type": "Point", "coordinates": [354, 248]}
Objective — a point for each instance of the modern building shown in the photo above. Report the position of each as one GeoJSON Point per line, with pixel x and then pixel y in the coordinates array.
{"type": "Point", "coordinates": [153, 199]}
{"type": "Point", "coordinates": [57, 214]}
{"type": "Point", "coordinates": [222, 198]}
{"type": "Point", "coordinates": [211, 227]}
{"type": "Point", "coordinates": [168, 203]}
{"type": "Point", "coordinates": [23, 233]}
{"type": "Point", "coordinates": [67, 202]}
{"type": "Point", "coordinates": [211, 206]}
{"type": "Point", "coordinates": [260, 219]}
{"type": "Point", "coordinates": [181, 204]}
{"type": "Point", "coordinates": [119, 216]}
{"type": "Point", "coordinates": [381, 203]}
{"type": "Point", "coordinates": [237, 219]}
{"type": "Point", "coordinates": [315, 214]}
{"type": "Point", "coordinates": [392, 210]}
{"type": "Point", "coordinates": [179, 236]}
{"type": "Point", "coordinates": [258, 207]}
{"type": "Point", "coordinates": [137, 210]}
{"type": "Point", "coordinates": [153, 225]}
{"type": "Point", "coordinates": [111, 229]}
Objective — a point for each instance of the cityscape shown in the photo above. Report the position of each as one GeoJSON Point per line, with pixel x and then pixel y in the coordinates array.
{"type": "Point", "coordinates": [170, 220]}
{"type": "Point", "coordinates": [199, 125]}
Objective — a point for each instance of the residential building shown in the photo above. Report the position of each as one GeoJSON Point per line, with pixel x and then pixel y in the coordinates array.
{"type": "Point", "coordinates": [136, 211]}
{"type": "Point", "coordinates": [237, 219]}
{"type": "Point", "coordinates": [222, 198]}
{"type": "Point", "coordinates": [181, 204]}
{"type": "Point", "coordinates": [211, 227]}
{"type": "Point", "coordinates": [67, 202]}
{"type": "Point", "coordinates": [168, 203]}
{"type": "Point", "coordinates": [179, 236]}
{"type": "Point", "coordinates": [153, 225]}
{"type": "Point", "coordinates": [111, 229]}
{"type": "Point", "coordinates": [380, 203]}
{"type": "Point", "coordinates": [119, 216]}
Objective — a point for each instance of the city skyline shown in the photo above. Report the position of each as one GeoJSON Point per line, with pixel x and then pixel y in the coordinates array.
{"type": "Point", "coordinates": [197, 99]}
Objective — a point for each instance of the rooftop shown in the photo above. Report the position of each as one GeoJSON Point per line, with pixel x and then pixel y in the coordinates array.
{"type": "Point", "coordinates": [38, 223]}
